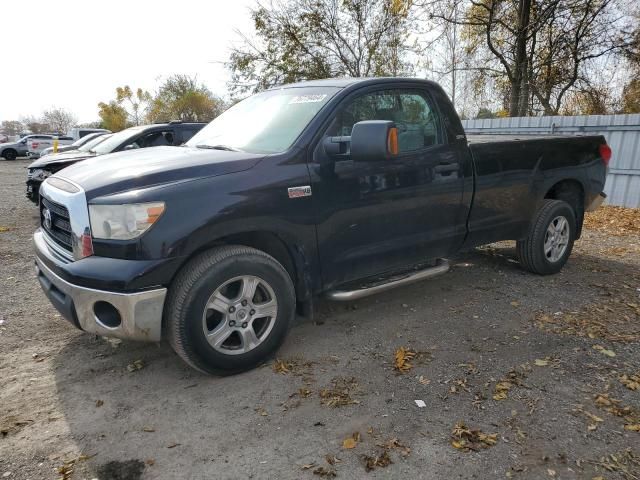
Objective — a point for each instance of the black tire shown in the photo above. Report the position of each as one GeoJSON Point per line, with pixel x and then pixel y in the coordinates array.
{"type": "Point", "coordinates": [531, 250]}
{"type": "Point", "coordinates": [192, 289]}
{"type": "Point", "coordinates": [10, 154]}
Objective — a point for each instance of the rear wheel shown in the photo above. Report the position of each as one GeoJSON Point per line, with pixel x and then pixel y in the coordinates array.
{"type": "Point", "coordinates": [10, 154]}
{"type": "Point", "coordinates": [229, 309]}
{"type": "Point", "coordinates": [550, 239]}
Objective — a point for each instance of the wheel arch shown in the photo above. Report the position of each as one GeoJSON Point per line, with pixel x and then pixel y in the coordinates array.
{"type": "Point", "coordinates": [276, 244]}
{"type": "Point", "coordinates": [572, 191]}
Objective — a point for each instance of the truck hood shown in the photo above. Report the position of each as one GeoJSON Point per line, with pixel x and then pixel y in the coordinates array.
{"type": "Point", "coordinates": [61, 158]}
{"type": "Point", "coordinates": [135, 169]}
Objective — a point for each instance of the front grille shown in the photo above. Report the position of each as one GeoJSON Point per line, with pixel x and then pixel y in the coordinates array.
{"type": "Point", "coordinates": [59, 229]}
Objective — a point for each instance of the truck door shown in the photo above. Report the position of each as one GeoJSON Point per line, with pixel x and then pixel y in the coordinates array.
{"type": "Point", "coordinates": [373, 217]}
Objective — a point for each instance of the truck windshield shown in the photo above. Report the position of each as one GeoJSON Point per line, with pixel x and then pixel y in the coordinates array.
{"type": "Point", "coordinates": [268, 122]}
{"type": "Point", "coordinates": [117, 139]}
{"type": "Point", "coordinates": [91, 144]}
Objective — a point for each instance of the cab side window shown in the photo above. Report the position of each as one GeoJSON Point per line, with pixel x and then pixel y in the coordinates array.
{"type": "Point", "coordinates": [411, 111]}
{"type": "Point", "coordinates": [153, 139]}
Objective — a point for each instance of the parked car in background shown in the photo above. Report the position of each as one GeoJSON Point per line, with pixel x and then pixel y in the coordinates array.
{"type": "Point", "coordinates": [38, 143]}
{"type": "Point", "coordinates": [143, 136]}
{"type": "Point", "coordinates": [74, 146]}
{"type": "Point", "coordinates": [3, 138]}
{"type": "Point", "coordinates": [38, 175]}
{"type": "Point", "coordinates": [78, 132]}
{"type": "Point", "coordinates": [13, 150]}
{"type": "Point", "coordinates": [340, 188]}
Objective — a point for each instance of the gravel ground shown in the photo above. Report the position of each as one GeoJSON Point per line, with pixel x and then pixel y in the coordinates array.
{"type": "Point", "coordinates": [531, 369]}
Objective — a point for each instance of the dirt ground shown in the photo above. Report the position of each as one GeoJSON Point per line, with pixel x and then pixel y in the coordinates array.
{"type": "Point", "coordinates": [521, 376]}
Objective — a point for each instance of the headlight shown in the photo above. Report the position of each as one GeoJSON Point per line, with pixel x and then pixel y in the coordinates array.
{"type": "Point", "coordinates": [123, 222]}
{"type": "Point", "coordinates": [38, 174]}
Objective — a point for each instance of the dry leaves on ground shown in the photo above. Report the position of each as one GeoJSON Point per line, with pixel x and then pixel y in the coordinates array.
{"type": "Point", "coordinates": [402, 357]}
{"type": "Point", "coordinates": [615, 319]}
{"type": "Point", "coordinates": [295, 366]}
{"type": "Point", "coordinates": [626, 462]}
{"type": "Point", "coordinates": [380, 460]}
{"type": "Point", "coordinates": [632, 382]}
{"type": "Point", "coordinates": [394, 444]}
{"type": "Point", "coordinates": [66, 469]}
{"type": "Point", "coordinates": [325, 472]}
{"type": "Point", "coordinates": [463, 438]}
{"type": "Point", "coordinates": [352, 441]}
{"type": "Point", "coordinates": [339, 393]}
{"type": "Point", "coordinates": [513, 378]}
{"type": "Point", "coordinates": [630, 415]}
{"type": "Point", "coordinates": [136, 365]}
{"type": "Point", "coordinates": [613, 220]}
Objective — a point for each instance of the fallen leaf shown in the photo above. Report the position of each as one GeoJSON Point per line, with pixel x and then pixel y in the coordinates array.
{"type": "Point", "coordinates": [381, 460]}
{"type": "Point", "coordinates": [632, 382]}
{"type": "Point", "coordinates": [424, 381]}
{"type": "Point", "coordinates": [394, 444]}
{"type": "Point", "coordinates": [280, 366]}
{"type": "Point", "coordinates": [351, 442]}
{"type": "Point", "coordinates": [99, 403]}
{"type": "Point", "coordinates": [339, 394]}
{"type": "Point", "coordinates": [261, 411]}
{"type": "Point", "coordinates": [466, 439]}
{"type": "Point", "coordinates": [632, 427]}
{"type": "Point", "coordinates": [604, 351]}
{"type": "Point", "coordinates": [150, 461]}
{"type": "Point", "coordinates": [308, 466]}
{"type": "Point", "coordinates": [541, 363]}
{"type": "Point", "coordinates": [173, 445]}
{"type": "Point", "coordinates": [402, 357]}
{"type": "Point", "coordinates": [331, 459]}
{"type": "Point", "coordinates": [501, 389]}
{"type": "Point", "coordinates": [148, 429]}
{"type": "Point", "coordinates": [515, 304]}
{"type": "Point", "coordinates": [136, 365]}
{"type": "Point", "coordinates": [325, 472]}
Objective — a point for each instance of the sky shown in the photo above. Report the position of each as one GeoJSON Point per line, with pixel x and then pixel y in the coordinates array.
{"type": "Point", "coordinates": [73, 54]}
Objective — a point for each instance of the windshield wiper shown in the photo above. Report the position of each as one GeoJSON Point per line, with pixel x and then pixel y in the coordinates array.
{"type": "Point", "coordinates": [217, 147]}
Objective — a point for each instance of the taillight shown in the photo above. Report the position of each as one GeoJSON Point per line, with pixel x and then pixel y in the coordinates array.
{"type": "Point", "coordinates": [605, 153]}
{"type": "Point", "coordinates": [34, 145]}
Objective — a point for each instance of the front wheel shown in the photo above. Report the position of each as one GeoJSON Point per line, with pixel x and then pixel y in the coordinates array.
{"type": "Point", "coordinates": [550, 239]}
{"type": "Point", "coordinates": [229, 309]}
{"type": "Point", "coordinates": [10, 154]}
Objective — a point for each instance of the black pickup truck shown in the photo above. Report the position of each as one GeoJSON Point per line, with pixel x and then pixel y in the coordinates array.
{"type": "Point", "coordinates": [341, 188]}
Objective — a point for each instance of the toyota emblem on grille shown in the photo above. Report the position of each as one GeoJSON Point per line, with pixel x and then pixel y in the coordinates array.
{"type": "Point", "coordinates": [47, 218]}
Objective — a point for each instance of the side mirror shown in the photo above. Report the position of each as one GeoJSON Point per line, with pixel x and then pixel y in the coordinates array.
{"type": "Point", "coordinates": [370, 140]}
{"type": "Point", "coordinates": [23, 142]}
{"type": "Point", "coordinates": [373, 140]}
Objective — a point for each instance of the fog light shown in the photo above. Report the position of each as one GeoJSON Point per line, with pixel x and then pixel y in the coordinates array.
{"type": "Point", "coordinates": [107, 314]}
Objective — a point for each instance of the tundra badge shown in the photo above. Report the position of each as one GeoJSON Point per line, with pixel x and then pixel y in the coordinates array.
{"type": "Point", "coordinates": [295, 192]}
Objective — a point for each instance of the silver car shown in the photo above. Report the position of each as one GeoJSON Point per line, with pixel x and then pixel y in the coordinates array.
{"type": "Point", "coordinates": [75, 145]}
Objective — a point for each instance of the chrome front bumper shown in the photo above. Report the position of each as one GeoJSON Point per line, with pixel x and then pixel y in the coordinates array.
{"type": "Point", "coordinates": [140, 313]}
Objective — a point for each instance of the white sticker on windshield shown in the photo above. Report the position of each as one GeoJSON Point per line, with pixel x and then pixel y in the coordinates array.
{"type": "Point", "coordinates": [307, 99]}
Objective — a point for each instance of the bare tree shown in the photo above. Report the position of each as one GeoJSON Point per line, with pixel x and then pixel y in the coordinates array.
{"type": "Point", "coordinates": [12, 127]}
{"type": "Point", "coordinates": [58, 119]}
{"type": "Point", "coordinates": [542, 48]}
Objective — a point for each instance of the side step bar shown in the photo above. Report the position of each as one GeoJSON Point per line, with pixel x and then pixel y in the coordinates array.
{"type": "Point", "coordinates": [441, 266]}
